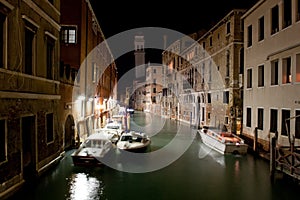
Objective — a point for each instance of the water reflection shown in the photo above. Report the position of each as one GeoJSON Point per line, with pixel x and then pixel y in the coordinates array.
{"type": "Point", "coordinates": [84, 187]}
{"type": "Point", "coordinates": [206, 151]}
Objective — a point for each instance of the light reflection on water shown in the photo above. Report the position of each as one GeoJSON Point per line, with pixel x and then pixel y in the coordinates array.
{"type": "Point", "coordinates": [206, 151]}
{"type": "Point", "coordinates": [84, 187]}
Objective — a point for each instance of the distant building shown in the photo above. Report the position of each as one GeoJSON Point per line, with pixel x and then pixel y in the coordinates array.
{"type": "Point", "coordinates": [138, 85]}
{"type": "Point", "coordinates": [272, 71]}
{"type": "Point", "coordinates": [139, 55]}
{"type": "Point", "coordinates": [153, 88]}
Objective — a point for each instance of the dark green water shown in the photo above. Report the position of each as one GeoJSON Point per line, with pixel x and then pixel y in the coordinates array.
{"type": "Point", "coordinates": [198, 174]}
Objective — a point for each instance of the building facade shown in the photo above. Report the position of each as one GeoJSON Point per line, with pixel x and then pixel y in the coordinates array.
{"type": "Point", "coordinates": [202, 76]}
{"type": "Point", "coordinates": [219, 65]}
{"type": "Point", "coordinates": [30, 131]}
{"type": "Point", "coordinates": [90, 90]}
{"type": "Point", "coordinates": [272, 71]}
{"type": "Point", "coordinates": [43, 48]}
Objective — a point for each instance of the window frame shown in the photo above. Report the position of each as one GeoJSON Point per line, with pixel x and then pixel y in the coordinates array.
{"type": "Point", "coordinates": [248, 117]}
{"type": "Point", "coordinates": [260, 118]}
{"type": "Point", "coordinates": [67, 40]}
{"type": "Point", "coordinates": [249, 78]}
{"type": "Point", "coordinates": [46, 128]}
{"type": "Point", "coordinates": [249, 36]}
{"type": "Point", "coordinates": [273, 122]}
{"type": "Point", "coordinates": [261, 28]}
{"type": "Point", "coordinates": [274, 72]}
{"type": "Point", "coordinates": [261, 76]}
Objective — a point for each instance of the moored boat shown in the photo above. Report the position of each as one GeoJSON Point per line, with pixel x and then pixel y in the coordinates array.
{"type": "Point", "coordinates": [96, 147]}
{"type": "Point", "coordinates": [134, 142]}
{"type": "Point", "coordinates": [223, 142]}
{"type": "Point", "coordinates": [112, 134]}
{"type": "Point", "coordinates": [114, 125]}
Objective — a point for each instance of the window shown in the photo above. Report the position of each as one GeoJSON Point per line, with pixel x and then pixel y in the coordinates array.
{"type": "Point", "coordinates": [29, 51]}
{"type": "Point", "coordinates": [51, 1]}
{"type": "Point", "coordinates": [69, 34]}
{"type": "Point", "coordinates": [226, 97]}
{"type": "Point", "coordinates": [249, 78]}
{"type": "Point", "coordinates": [226, 121]}
{"type": "Point", "coordinates": [248, 117]}
{"type": "Point", "coordinates": [273, 120]}
{"type": "Point", "coordinates": [298, 67]}
{"type": "Point", "coordinates": [165, 92]}
{"type": "Point", "coordinates": [249, 42]}
{"type": "Point", "coordinates": [285, 125]}
{"type": "Point", "coordinates": [203, 114]}
{"type": "Point", "coordinates": [275, 19]}
{"type": "Point", "coordinates": [261, 76]}
{"type": "Point", "coordinates": [202, 72]}
{"type": "Point", "coordinates": [49, 127]}
{"type": "Point", "coordinates": [260, 118]}
{"type": "Point", "coordinates": [208, 97]}
{"type": "Point", "coordinates": [287, 13]}
{"type": "Point", "coordinates": [154, 90]}
{"type": "Point", "coordinates": [3, 149]}
{"type": "Point", "coordinates": [210, 41]}
{"type": "Point", "coordinates": [228, 28]}
{"type": "Point", "coordinates": [274, 72]}
{"type": "Point", "coordinates": [209, 72]}
{"type": "Point", "coordinates": [50, 56]}
{"type": "Point", "coordinates": [227, 62]}
{"type": "Point", "coordinates": [297, 124]}
{"type": "Point", "coordinates": [297, 10]}
{"type": "Point", "coordinates": [286, 70]}
{"type": "Point", "coordinates": [2, 39]}
{"type": "Point", "coordinates": [261, 28]}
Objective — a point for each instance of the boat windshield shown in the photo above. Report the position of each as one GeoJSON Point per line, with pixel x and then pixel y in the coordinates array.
{"type": "Point", "coordinates": [94, 143]}
{"type": "Point", "coordinates": [113, 126]}
{"type": "Point", "coordinates": [126, 138]}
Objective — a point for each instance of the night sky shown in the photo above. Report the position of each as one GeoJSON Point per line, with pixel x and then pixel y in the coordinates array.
{"type": "Point", "coordinates": [184, 16]}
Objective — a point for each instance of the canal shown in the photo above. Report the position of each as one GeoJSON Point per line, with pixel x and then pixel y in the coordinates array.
{"type": "Point", "coordinates": [198, 173]}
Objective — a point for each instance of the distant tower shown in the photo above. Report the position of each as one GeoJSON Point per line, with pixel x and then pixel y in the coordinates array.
{"type": "Point", "coordinates": [139, 54]}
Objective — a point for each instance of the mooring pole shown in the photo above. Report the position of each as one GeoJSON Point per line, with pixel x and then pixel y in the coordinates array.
{"type": "Point", "coordinates": [255, 140]}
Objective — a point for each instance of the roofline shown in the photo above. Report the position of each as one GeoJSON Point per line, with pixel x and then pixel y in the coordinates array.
{"type": "Point", "coordinates": [253, 8]}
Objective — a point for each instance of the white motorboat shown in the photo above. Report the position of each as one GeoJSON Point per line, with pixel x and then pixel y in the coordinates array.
{"type": "Point", "coordinates": [115, 126]}
{"type": "Point", "coordinates": [96, 147]}
{"type": "Point", "coordinates": [134, 141]}
{"type": "Point", "coordinates": [112, 134]}
{"type": "Point", "coordinates": [223, 142]}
